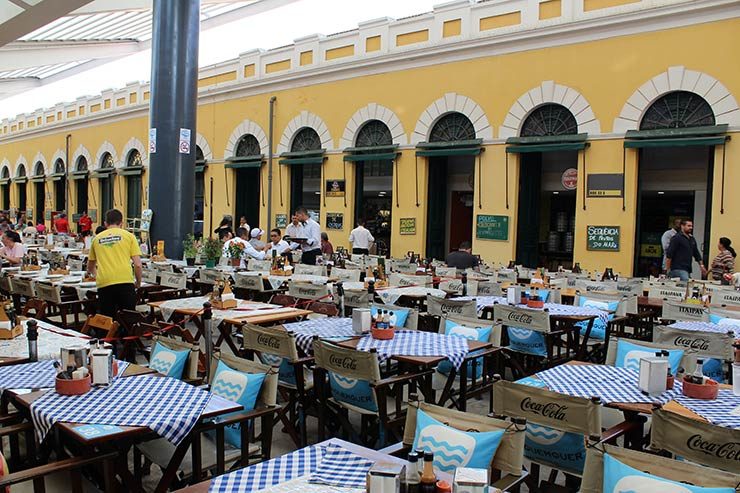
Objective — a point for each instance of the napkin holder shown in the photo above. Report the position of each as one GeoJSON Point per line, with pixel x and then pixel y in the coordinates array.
{"type": "Point", "coordinates": [470, 480]}
{"type": "Point", "coordinates": [225, 299]}
{"type": "Point", "coordinates": [7, 330]}
{"type": "Point", "coordinates": [514, 294]}
{"type": "Point", "coordinates": [361, 320]}
{"type": "Point", "coordinates": [101, 366]}
{"type": "Point", "coordinates": [653, 371]}
{"type": "Point", "coordinates": [385, 477]}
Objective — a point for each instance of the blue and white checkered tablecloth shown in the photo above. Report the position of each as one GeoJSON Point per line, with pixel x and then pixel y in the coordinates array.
{"type": "Point", "coordinates": [265, 474]}
{"type": "Point", "coordinates": [722, 411]}
{"type": "Point", "coordinates": [609, 383]}
{"type": "Point", "coordinates": [167, 406]}
{"type": "Point", "coordinates": [340, 467]}
{"type": "Point", "coordinates": [39, 375]}
{"type": "Point", "coordinates": [483, 302]}
{"type": "Point", "coordinates": [706, 327]}
{"type": "Point", "coordinates": [327, 328]}
{"type": "Point", "coordinates": [417, 343]}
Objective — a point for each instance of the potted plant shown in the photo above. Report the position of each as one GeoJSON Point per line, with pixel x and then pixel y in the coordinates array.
{"type": "Point", "coordinates": [211, 251]}
{"type": "Point", "coordinates": [234, 251]}
{"type": "Point", "coordinates": [190, 248]}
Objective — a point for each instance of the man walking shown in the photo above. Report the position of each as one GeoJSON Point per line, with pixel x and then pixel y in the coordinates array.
{"type": "Point", "coordinates": [361, 238]}
{"type": "Point", "coordinates": [665, 240]}
{"type": "Point", "coordinates": [111, 254]}
{"type": "Point", "coordinates": [680, 252]}
{"type": "Point", "coordinates": [463, 258]}
{"type": "Point", "coordinates": [311, 246]}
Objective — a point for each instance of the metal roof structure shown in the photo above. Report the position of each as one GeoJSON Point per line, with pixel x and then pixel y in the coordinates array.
{"type": "Point", "coordinates": [43, 41]}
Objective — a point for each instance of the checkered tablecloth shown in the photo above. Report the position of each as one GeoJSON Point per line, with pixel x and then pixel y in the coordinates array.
{"type": "Point", "coordinates": [244, 309]}
{"type": "Point", "coordinates": [327, 328]}
{"type": "Point", "coordinates": [28, 376]}
{"type": "Point", "coordinates": [391, 295]}
{"type": "Point", "coordinates": [340, 467]}
{"type": "Point", "coordinates": [722, 411]}
{"type": "Point", "coordinates": [417, 343]}
{"type": "Point", "coordinates": [609, 383]}
{"type": "Point", "coordinates": [483, 302]}
{"type": "Point", "coordinates": [167, 406]}
{"type": "Point", "coordinates": [706, 327]}
{"type": "Point", "coordinates": [265, 474]}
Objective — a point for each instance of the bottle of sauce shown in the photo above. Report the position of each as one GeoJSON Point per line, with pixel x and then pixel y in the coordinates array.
{"type": "Point", "coordinates": [428, 482]}
{"type": "Point", "coordinates": [698, 376]}
{"type": "Point", "coordinates": [412, 473]}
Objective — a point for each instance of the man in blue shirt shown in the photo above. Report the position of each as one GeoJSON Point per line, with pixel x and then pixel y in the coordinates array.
{"type": "Point", "coordinates": [681, 251]}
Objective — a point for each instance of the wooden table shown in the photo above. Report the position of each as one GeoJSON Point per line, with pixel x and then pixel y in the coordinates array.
{"type": "Point", "coordinates": [373, 455]}
{"type": "Point", "coordinates": [122, 441]}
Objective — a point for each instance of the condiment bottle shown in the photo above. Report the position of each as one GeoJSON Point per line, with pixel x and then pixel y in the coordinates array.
{"type": "Point", "coordinates": [443, 487]}
{"type": "Point", "coordinates": [32, 334]}
{"type": "Point", "coordinates": [428, 478]}
{"type": "Point", "coordinates": [698, 376]}
{"type": "Point", "coordinates": [412, 473]}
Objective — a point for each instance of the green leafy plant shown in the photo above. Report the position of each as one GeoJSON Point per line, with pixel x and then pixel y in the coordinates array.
{"type": "Point", "coordinates": [211, 249]}
{"type": "Point", "coordinates": [190, 246]}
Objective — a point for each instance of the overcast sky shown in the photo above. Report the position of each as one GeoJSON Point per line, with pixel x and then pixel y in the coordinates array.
{"type": "Point", "coordinates": [275, 28]}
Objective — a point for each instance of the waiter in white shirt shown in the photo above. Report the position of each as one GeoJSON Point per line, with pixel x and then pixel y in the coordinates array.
{"type": "Point", "coordinates": [361, 238]}
{"type": "Point", "coordinates": [277, 245]}
{"type": "Point", "coordinates": [311, 246]}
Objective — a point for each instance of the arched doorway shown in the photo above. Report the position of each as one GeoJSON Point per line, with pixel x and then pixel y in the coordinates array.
{"type": "Point", "coordinates": [674, 175]}
{"type": "Point", "coordinates": [374, 181]}
{"type": "Point", "coordinates": [133, 170]}
{"type": "Point", "coordinates": [200, 192]}
{"type": "Point", "coordinates": [547, 190]}
{"type": "Point", "coordinates": [451, 183]}
{"type": "Point", "coordinates": [305, 177]}
{"type": "Point", "coordinates": [80, 176]}
{"type": "Point", "coordinates": [5, 180]}
{"type": "Point", "coordinates": [39, 186]}
{"type": "Point", "coordinates": [21, 180]}
{"type": "Point", "coordinates": [106, 181]}
{"type": "Point", "coordinates": [60, 186]}
{"type": "Point", "coordinates": [247, 163]}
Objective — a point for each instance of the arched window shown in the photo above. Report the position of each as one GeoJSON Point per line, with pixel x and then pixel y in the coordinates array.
{"type": "Point", "coordinates": [107, 184]}
{"type": "Point", "coordinates": [81, 164]}
{"type": "Point", "coordinates": [306, 140]}
{"type": "Point", "coordinates": [81, 184]}
{"type": "Point", "coordinates": [106, 160]}
{"type": "Point", "coordinates": [374, 133]}
{"type": "Point", "coordinates": [549, 119]}
{"type": "Point", "coordinates": [133, 185]}
{"type": "Point", "coordinates": [21, 173]}
{"type": "Point", "coordinates": [678, 109]}
{"type": "Point", "coordinates": [133, 159]}
{"type": "Point", "coordinates": [199, 157]}
{"type": "Point", "coordinates": [38, 170]}
{"type": "Point", "coordinates": [248, 145]}
{"type": "Point", "coordinates": [452, 127]}
{"type": "Point", "coordinates": [58, 166]}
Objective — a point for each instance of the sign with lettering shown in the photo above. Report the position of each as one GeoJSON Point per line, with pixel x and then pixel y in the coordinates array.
{"type": "Point", "coordinates": [489, 227]}
{"type": "Point", "coordinates": [726, 297]}
{"type": "Point", "coordinates": [173, 280]}
{"type": "Point", "coordinates": [602, 238]}
{"type": "Point", "coordinates": [667, 293]}
{"type": "Point", "coordinates": [408, 225]}
{"type": "Point", "coordinates": [334, 220]}
{"type": "Point", "coordinates": [281, 220]}
{"type": "Point", "coordinates": [335, 188]}
{"type": "Point", "coordinates": [605, 185]}
{"type": "Point", "coordinates": [149, 275]}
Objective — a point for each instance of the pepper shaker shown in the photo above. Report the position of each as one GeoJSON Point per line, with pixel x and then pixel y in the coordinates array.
{"type": "Point", "coordinates": [33, 336]}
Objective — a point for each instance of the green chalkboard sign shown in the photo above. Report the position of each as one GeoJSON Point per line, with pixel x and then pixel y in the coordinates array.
{"type": "Point", "coordinates": [602, 238]}
{"type": "Point", "coordinates": [492, 227]}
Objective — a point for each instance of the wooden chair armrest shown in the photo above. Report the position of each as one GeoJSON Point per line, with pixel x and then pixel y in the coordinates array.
{"type": "Point", "coordinates": [15, 429]}
{"type": "Point", "coordinates": [616, 431]}
{"type": "Point", "coordinates": [395, 450]}
{"type": "Point", "coordinates": [304, 361]}
{"type": "Point", "coordinates": [619, 320]}
{"type": "Point", "coordinates": [406, 377]}
{"type": "Point", "coordinates": [54, 467]}
{"type": "Point", "coordinates": [481, 353]}
{"type": "Point", "coordinates": [238, 418]}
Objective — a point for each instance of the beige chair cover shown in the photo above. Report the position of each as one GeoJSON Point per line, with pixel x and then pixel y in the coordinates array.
{"type": "Point", "coordinates": [681, 471]}
{"type": "Point", "coordinates": [688, 361]}
{"type": "Point", "coordinates": [348, 363]}
{"type": "Point", "coordinates": [524, 318]}
{"type": "Point", "coordinates": [346, 274]}
{"type": "Point", "coordinates": [706, 344]}
{"type": "Point", "coordinates": [75, 264]}
{"type": "Point", "coordinates": [48, 292]}
{"type": "Point", "coordinates": [484, 288]}
{"type": "Point", "coordinates": [306, 291]}
{"type": "Point", "coordinates": [688, 312]}
{"type": "Point", "coordinates": [586, 286]}
{"type": "Point", "coordinates": [355, 298]}
{"type": "Point", "coordinates": [697, 441]}
{"type": "Point", "coordinates": [446, 271]}
{"type": "Point", "coordinates": [163, 267]}
{"type": "Point", "coordinates": [724, 312]}
{"type": "Point", "coordinates": [23, 287]}
{"type": "Point", "coordinates": [509, 456]}
{"type": "Point", "coordinates": [452, 286]}
{"type": "Point", "coordinates": [191, 366]}
{"type": "Point", "coordinates": [268, 393]}
{"type": "Point", "coordinates": [402, 281]}
{"type": "Point", "coordinates": [728, 297]}
{"type": "Point", "coordinates": [441, 306]}
{"type": "Point", "coordinates": [252, 282]}
{"type": "Point", "coordinates": [495, 338]}
{"type": "Point", "coordinates": [627, 302]}
{"type": "Point", "coordinates": [403, 266]}
{"type": "Point", "coordinates": [506, 275]}
{"type": "Point", "coordinates": [630, 286]}
{"type": "Point", "coordinates": [176, 280]}
{"type": "Point", "coordinates": [663, 292]}
{"type": "Point", "coordinates": [270, 340]}
{"type": "Point", "coordinates": [558, 283]}
{"type": "Point", "coordinates": [412, 321]}
{"type": "Point", "coordinates": [210, 276]}
{"type": "Point", "coordinates": [547, 408]}
{"type": "Point", "coordinates": [149, 275]}
{"type": "Point", "coordinates": [259, 265]}
{"type": "Point", "coordinates": [311, 270]}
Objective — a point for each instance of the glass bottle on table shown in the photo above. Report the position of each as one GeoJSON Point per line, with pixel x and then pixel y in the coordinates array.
{"type": "Point", "coordinates": [698, 376]}
{"type": "Point", "coordinates": [428, 483]}
{"type": "Point", "coordinates": [412, 473]}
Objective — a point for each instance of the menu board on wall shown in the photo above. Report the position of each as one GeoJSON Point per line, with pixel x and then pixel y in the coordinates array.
{"type": "Point", "coordinates": [335, 188]}
{"type": "Point", "coordinates": [281, 220]}
{"type": "Point", "coordinates": [408, 225]}
{"type": "Point", "coordinates": [334, 220]}
{"type": "Point", "coordinates": [602, 238]}
{"type": "Point", "coordinates": [93, 213]}
{"type": "Point", "coordinates": [488, 227]}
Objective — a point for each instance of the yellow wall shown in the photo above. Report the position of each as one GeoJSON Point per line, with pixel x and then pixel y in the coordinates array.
{"type": "Point", "coordinates": [605, 72]}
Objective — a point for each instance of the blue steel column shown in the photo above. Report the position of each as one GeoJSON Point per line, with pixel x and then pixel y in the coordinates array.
{"type": "Point", "coordinates": [173, 106]}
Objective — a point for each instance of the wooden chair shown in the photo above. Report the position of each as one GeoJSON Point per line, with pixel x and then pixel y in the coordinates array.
{"type": "Point", "coordinates": [353, 298]}
{"type": "Point", "coordinates": [348, 380]}
{"type": "Point", "coordinates": [193, 366]}
{"type": "Point", "coordinates": [311, 270]}
{"type": "Point", "coordinates": [283, 300]}
{"type": "Point", "coordinates": [322, 309]}
{"type": "Point", "coordinates": [60, 306]}
{"type": "Point", "coordinates": [352, 275]}
{"type": "Point", "coordinates": [101, 327]}
{"type": "Point", "coordinates": [307, 291]}
{"type": "Point", "coordinates": [34, 308]}
{"type": "Point", "coordinates": [276, 347]}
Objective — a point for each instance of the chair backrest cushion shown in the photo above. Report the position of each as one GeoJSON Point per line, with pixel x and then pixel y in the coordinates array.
{"type": "Point", "coordinates": [477, 332]}
{"type": "Point", "coordinates": [236, 386]}
{"type": "Point", "coordinates": [276, 348]}
{"type": "Point", "coordinates": [630, 353]}
{"type": "Point", "coordinates": [350, 373]}
{"type": "Point", "coordinates": [455, 448]}
{"type": "Point", "coordinates": [313, 270]}
{"type": "Point", "coordinates": [599, 327]}
{"type": "Point", "coordinates": [306, 291]}
{"type": "Point", "coordinates": [167, 361]}
{"type": "Point", "coordinates": [690, 312]}
{"type": "Point", "coordinates": [525, 327]}
{"type": "Point", "coordinates": [346, 274]}
{"type": "Point", "coordinates": [441, 307]}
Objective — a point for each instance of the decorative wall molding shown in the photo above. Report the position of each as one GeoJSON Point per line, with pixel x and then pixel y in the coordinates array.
{"type": "Point", "coordinates": [245, 127]}
{"type": "Point", "coordinates": [134, 143]}
{"type": "Point", "coordinates": [373, 111]}
{"type": "Point", "coordinates": [59, 154]}
{"type": "Point", "coordinates": [21, 160]}
{"type": "Point", "coordinates": [81, 151]}
{"type": "Point", "coordinates": [449, 103]}
{"type": "Point", "coordinates": [201, 142]}
{"type": "Point", "coordinates": [105, 147]}
{"type": "Point", "coordinates": [305, 119]}
{"type": "Point", "coordinates": [5, 164]}
{"type": "Point", "coordinates": [723, 103]}
{"type": "Point", "coordinates": [549, 92]}
{"type": "Point", "coordinates": [39, 157]}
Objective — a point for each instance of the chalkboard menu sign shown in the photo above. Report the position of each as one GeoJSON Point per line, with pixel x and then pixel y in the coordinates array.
{"type": "Point", "coordinates": [93, 213]}
{"type": "Point", "coordinates": [281, 220]}
{"type": "Point", "coordinates": [334, 220]}
{"type": "Point", "coordinates": [492, 227]}
{"type": "Point", "coordinates": [408, 225]}
{"type": "Point", "coordinates": [602, 238]}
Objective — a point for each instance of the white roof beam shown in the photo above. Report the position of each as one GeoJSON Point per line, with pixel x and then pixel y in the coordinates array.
{"type": "Point", "coordinates": [20, 84]}
{"type": "Point", "coordinates": [35, 17]}
{"type": "Point", "coordinates": [28, 54]}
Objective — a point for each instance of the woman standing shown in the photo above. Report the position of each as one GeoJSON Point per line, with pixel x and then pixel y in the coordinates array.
{"type": "Point", "coordinates": [224, 228]}
{"type": "Point", "coordinates": [12, 250]}
{"type": "Point", "coordinates": [724, 262]}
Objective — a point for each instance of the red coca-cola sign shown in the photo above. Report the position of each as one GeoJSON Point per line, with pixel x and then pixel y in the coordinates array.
{"type": "Point", "coordinates": [569, 179]}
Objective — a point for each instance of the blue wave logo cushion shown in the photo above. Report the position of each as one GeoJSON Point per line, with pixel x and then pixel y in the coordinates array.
{"type": "Point", "coordinates": [167, 361]}
{"type": "Point", "coordinates": [621, 478]}
{"type": "Point", "coordinates": [286, 371]}
{"type": "Point", "coordinates": [527, 341]}
{"type": "Point", "coordinates": [482, 334]}
{"type": "Point", "coordinates": [398, 319]}
{"type": "Point", "coordinates": [598, 330]}
{"type": "Point", "coordinates": [352, 391]}
{"type": "Point", "coordinates": [629, 355]}
{"type": "Point", "coordinates": [542, 293]}
{"type": "Point", "coordinates": [714, 369]}
{"type": "Point", "coordinates": [236, 386]}
{"type": "Point", "coordinates": [455, 448]}
{"type": "Point", "coordinates": [545, 445]}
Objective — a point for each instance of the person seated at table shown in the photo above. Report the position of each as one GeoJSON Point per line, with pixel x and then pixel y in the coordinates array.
{"type": "Point", "coordinates": [242, 236]}
{"type": "Point", "coordinates": [30, 230]}
{"type": "Point", "coordinates": [12, 249]}
{"type": "Point", "coordinates": [277, 243]}
{"type": "Point", "coordinates": [41, 228]}
{"type": "Point", "coordinates": [61, 225]}
{"type": "Point", "coordinates": [463, 258]}
{"type": "Point", "coordinates": [256, 239]}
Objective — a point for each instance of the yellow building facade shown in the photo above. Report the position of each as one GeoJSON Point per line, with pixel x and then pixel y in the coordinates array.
{"type": "Point", "coordinates": [511, 74]}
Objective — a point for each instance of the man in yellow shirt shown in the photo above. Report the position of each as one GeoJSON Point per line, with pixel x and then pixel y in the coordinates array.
{"type": "Point", "coordinates": [111, 254]}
